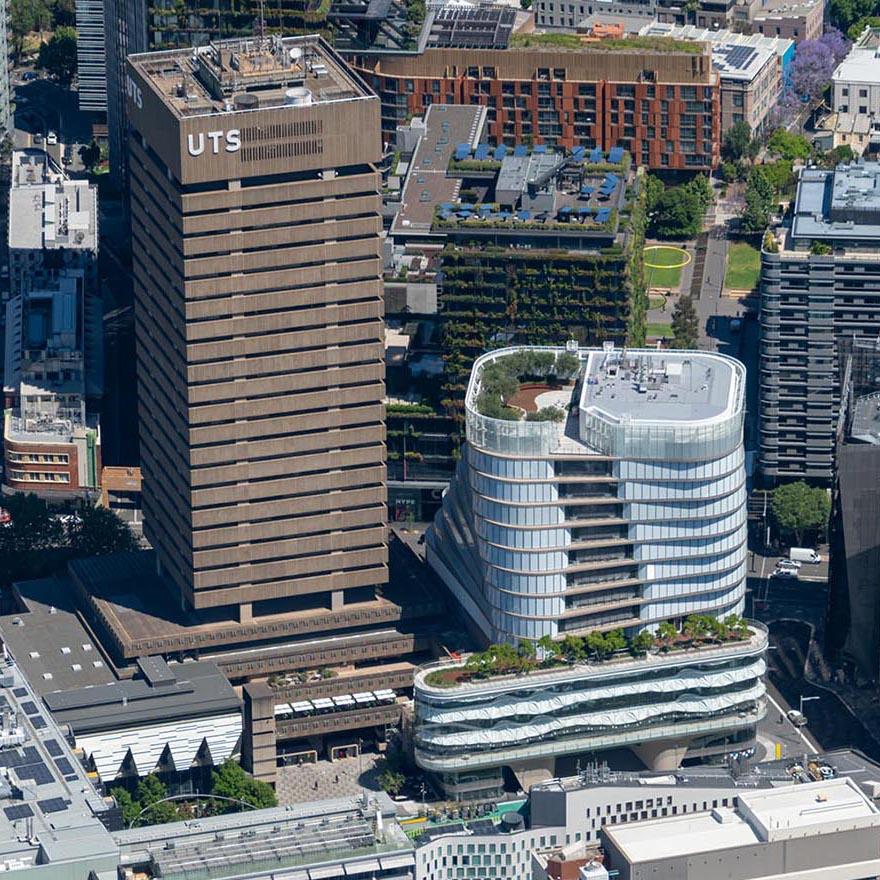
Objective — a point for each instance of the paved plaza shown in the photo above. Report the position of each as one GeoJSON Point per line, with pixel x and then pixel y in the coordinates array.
{"type": "Point", "coordinates": [328, 779]}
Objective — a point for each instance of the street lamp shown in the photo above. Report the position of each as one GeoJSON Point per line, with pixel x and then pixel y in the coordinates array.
{"type": "Point", "coordinates": [806, 700]}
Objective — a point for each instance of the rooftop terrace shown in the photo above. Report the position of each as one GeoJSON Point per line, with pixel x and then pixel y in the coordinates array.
{"type": "Point", "coordinates": [249, 74]}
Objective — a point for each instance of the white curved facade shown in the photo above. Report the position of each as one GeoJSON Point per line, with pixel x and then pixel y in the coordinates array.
{"type": "Point", "coordinates": [711, 695]}
{"type": "Point", "coordinates": [630, 512]}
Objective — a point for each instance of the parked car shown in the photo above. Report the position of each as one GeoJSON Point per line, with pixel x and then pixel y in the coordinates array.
{"type": "Point", "coordinates": [51, 139]}
{"type": "Point", "coordinates": [804, 554]}
{"type": "Point", "coordinates": [30, 76]}
{"type": "Point", "coordinates": [784, 573]}
{"type": "Point", "coordinates": [38, 139]}
{"type": "Point", "coordinates": [798, 719]}
{"type": "Point", "coordinates": [789, 564]}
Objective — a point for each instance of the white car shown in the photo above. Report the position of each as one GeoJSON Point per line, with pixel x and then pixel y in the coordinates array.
{"type": "Point", "coordinates": [798, 719]}
{"type": "Point", "coordinates": [784, 573]}
{"type": "Point", "coordinates": [789, 564]}
{"type": "Point", "coordinates": [51, 139]}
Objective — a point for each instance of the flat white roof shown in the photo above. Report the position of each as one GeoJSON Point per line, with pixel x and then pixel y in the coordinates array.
{"type": "Point", "coordinates": [763, 815]}
{"type": "Point", "coordinates": [860, 66]}
{"type": "Point", "coordinates": [681, 835]}
{"type": "Point", "coordinates": [779, 813]}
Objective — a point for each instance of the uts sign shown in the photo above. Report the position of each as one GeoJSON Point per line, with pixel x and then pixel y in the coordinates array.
{"type": "Point", "coordinates": [231, 141]}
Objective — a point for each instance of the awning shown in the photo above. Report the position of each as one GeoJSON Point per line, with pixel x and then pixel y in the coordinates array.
{"type": "Point", "coordinates": [362, 868]}
{"type": "Point", "coordinates": [400, 861]}
{"type": "Point", "coordinates": [325, 872]}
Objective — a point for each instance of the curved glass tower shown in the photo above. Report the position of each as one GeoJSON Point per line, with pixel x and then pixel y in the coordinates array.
{"type": "Point", "coordinates": [626, 511]}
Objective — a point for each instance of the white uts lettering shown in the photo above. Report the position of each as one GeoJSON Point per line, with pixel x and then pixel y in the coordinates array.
{"type": "Point", "coordinates": [134, 92]}
{"type": "Point", "coordinates": [231, 141]}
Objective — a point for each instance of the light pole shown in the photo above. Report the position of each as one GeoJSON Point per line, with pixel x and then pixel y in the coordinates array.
{"type": "Point", "coordinates": [806, 700]}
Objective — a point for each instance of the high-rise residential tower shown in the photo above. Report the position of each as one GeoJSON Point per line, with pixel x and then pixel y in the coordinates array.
{"type": "Point", "coordinates": [255, 218]}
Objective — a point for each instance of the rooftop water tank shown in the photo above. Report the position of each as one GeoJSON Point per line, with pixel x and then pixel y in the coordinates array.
{"type": "Point", "coordinates": [298, 97]}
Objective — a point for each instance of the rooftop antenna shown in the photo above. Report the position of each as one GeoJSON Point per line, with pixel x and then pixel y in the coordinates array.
{"type": "Point", "coordinates": [261, 29]}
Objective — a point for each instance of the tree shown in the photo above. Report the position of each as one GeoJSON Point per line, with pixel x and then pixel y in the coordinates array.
{"type": "Point", "coordinates": [854, 30]}
{"type": "Point", "coordinates": [701, 189]}
{"type": "Point", "coordinates": [391, 781]}
{"type": "Point", "coordinates": [572, 648]}
{"type": "Point", "coordinates": [678, 214]}
{"type": "Point", "coordinates": [149, 797]}
{"type": "Point", "coordinates": [26, 16]}
{"type": "Point", "coordinates": [100, 531]}
{"type": "Point", "coordinates": [799, 509]}
{"type": "Point", "coordinates": [685, 323]}
{"type": "Point", "coordinates": [641, 643]}
{"type": "Point", "coordinates": [58, 56]}
{"type": "Point", "coordinates": [837, 43]}
{"type": "Point", "coordinates": [654, 188]}
{"type": "Point", "coordinates": [90, 155]}
{"type": "Point", "coordinates": [667, 631]}
{"type": "Point", "coordinates": [26, 540]}
{"type": "Point", "coordinates": [840, 155]}
{"type": "Point", "coordinates": [231, 781]}
{"type": "Point", "coordinates": [812, 68]}
{"type": "Point", "coordinates": [738, 142]}
{"type": "Point", "coordinates": [129, 806]}
{"type": "Point", "coordinates": [760, 197]}
{"type": "Point", "coordinates": [615, 641]}
{"type": "Point", "coordinates": [788, 145]}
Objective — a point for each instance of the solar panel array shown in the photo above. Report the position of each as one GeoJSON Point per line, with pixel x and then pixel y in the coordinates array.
{"type": "Point", "coordinates": [53, 805]}
{"type": "Point", "coordinates": [27, 764]}
{"type": "Point", "coordinates": [739, 57]}
{"type": "Point", "coordinates": [18, 811]}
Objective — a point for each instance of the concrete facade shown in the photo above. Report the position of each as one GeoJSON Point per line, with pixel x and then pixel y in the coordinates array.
{"type": "Point", "coordinates": [259, 325]}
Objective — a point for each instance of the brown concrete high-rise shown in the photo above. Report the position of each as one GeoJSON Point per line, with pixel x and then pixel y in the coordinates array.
{"type": "Point", "coordinates": [257, 264]}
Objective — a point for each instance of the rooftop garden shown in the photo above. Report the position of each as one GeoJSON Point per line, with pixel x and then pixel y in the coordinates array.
{"type": "Point", "coordinates": [502, 385]}
{"type": "Point", "coordinates": [697, 631]}
{"type": "Point", "coordinates": [575, 42]}
{"type": "Point", "coordinates": [498, 219]}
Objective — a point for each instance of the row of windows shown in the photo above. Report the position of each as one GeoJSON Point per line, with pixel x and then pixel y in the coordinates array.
{"type": "Point", "coordinates": [37, 457]}
{"type": "Point", "coordinates": [38, 477]}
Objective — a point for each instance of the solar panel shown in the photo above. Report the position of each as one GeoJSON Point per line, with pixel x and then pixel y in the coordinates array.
{"type": "Point", "coordinates": [53, 748]}
{"type": "Point", "coordinates": [38, 722]}
{"type": "Point", "coordinates": [19, 811]}
{"type": "Point", "coordinates": [72, 778]}
{"type": "Point", "coordinates": [39, 773]}
{"type": "Point", "coordinates": [615, 155]}
{"type": "Point", "coordinates": [20, 692]}
{"type": "Point", "coordinates": [29, 707]}
{"type": "Point", "coordinates": [52, 805]}
{"type": "Point", "coordinates": [64, 765]}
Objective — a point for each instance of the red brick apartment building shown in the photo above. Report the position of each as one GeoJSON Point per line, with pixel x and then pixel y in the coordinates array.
{"type": "Point", "coordinates": [660, 99]}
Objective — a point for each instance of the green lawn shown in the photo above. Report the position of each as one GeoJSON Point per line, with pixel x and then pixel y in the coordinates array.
{"type": "Point", "coordinates": [662, 330]}
{"type": "Point", "coordinates": [743, 266]}
{"type": "Point", "coordinates": [665, 270]}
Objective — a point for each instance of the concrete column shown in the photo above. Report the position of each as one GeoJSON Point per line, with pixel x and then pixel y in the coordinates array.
{"type": "Point", "coordinates": [245, 613]}
{"type": "Point", "coordinates": [258, 745]}
{"type": "Point", "coordinates": [662, 754]}
{"type": "Point", "coordinates": [337, 600]}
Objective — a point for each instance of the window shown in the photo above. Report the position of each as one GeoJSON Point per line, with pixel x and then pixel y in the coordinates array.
{"type": "Point", "coordinates": [863, 108]}
{"type": "Point", "coordinates": [863, 93]}
{"type": "Point", "coordinates": [845, 93]}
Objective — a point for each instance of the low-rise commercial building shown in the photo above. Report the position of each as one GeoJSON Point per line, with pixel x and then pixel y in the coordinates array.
{"type": "Point", "coordinates": [657, 99]}
{"type": "Point", "coordinates": [855, 84]}
{"type": "Point", "coordinates": [827, 828]}
{"type": "Point", "coordinates": [53, 368]}
{"type": "Point", "coordinates": [819, 274]}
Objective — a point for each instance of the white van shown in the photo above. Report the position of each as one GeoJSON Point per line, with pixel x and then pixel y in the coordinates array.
{"type": "Point", "coordinates": [804, 554]}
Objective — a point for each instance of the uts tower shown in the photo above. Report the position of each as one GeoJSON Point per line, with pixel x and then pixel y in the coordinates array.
{"type": "Point", "coordinates": [256, 221]}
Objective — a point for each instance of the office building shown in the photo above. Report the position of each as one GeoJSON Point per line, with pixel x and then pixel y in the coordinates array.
{"type": "Point", "coordinates": [91, 65]}
{"type": "Point", "coordinates": [659, 100]}
{"type": "Point", "coordinates": [5, 85]}
{"type": "Point", "coordinates": [818, 285]}
{"type": "Point", "coordinates": [53, 368]}
{"type": "Point", "coordinates": [854, 608]}
{"type": "Point", "coordinates": [562, 520]}
{"type": "Point", "coordinates": [752, 69]}
{"type": "Point", "coordinates": [826, 828]}
{"type": "Point", "coordinates": [612, 542]}
{"type": "Point", "coordinates": [557, 15]}
{"type": "Point", "coordinates": [263, 458]}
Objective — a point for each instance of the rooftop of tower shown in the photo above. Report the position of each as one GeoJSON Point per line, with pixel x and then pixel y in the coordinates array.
{"type": "Point", "coordinates": [249, 74]}
{"type": "Point", "coordinates": [666, 386]}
